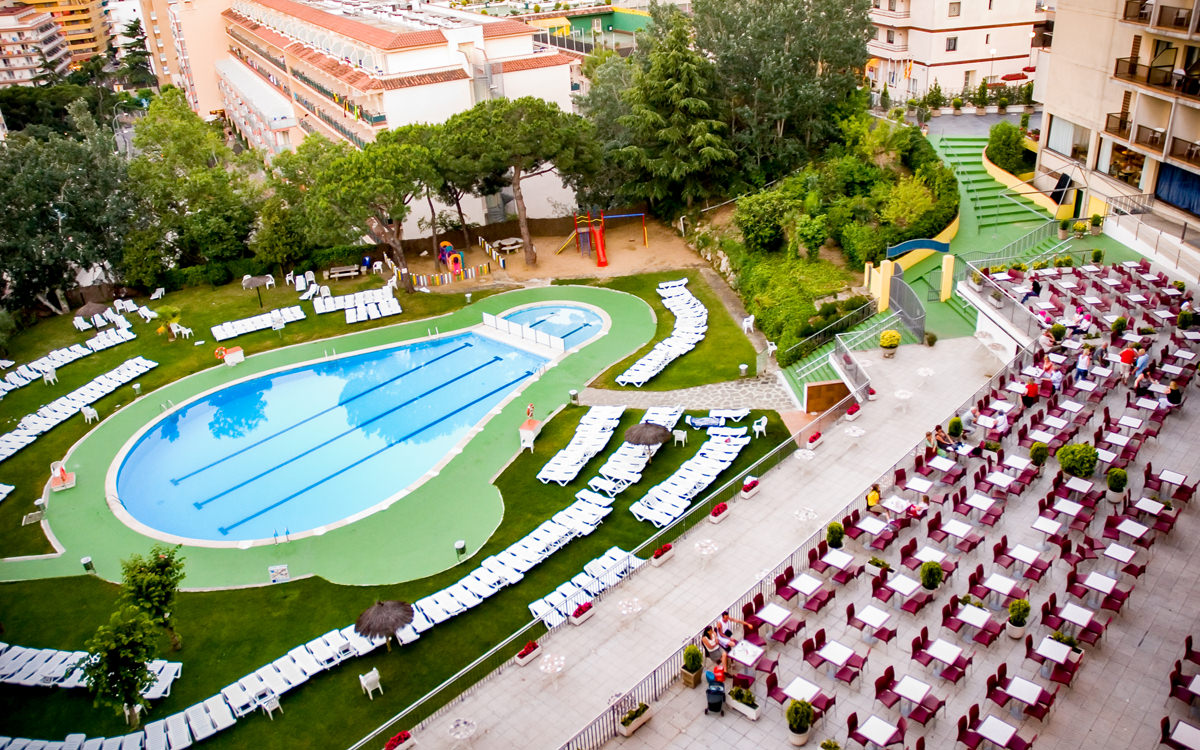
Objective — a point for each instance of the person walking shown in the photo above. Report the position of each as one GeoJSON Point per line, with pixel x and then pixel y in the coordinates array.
{"type": "Point", "coordinates": [1128, 355]}
{"type": "Point", "coordinates": [1083, 365]}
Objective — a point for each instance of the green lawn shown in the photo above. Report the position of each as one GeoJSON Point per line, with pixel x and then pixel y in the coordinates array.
{"type": "Point", "coordinates": [227, 634]}
{"type": "Point", "coordinates": [714, 360]}
{"type": "Point", "coordinates": [202, 308]}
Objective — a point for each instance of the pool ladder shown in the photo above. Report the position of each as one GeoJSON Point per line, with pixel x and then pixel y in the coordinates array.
{"type": "Point", "coordinates": [168, 404]}
{"type": "Point", "coordinates": [434, 332]}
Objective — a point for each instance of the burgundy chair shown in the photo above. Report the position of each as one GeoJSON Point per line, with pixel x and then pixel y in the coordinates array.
{"type": "Point", "coordinates": [996, 693]}
{"type": "Point", "coordinates": [775, 692]}
{"type": "Point", "coordinates": [783, 590]}
{"type": "Point", "coordinates": [967, 736]}
{"type": "Point", "coordinates": [1189, 653]}
{"type": "Point", "coordinates": [926, 709]}
{"type": "Point", "coordinates": [852, 728]}
{"type": "Point", "coordinates": [883, 688]}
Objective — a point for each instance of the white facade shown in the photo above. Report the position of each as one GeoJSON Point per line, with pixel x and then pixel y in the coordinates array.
{"type": "Point", "coordinates": [25, 35]}
{"type": "Point", "coordinates": [957, 44]}
{"type": "Point", "coordinates": [1123, 100]}
{"type": "Point", "coordinates": [120, 13]}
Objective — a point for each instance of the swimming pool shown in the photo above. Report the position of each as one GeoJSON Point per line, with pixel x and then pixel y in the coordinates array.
{"type": "Point", "coordinates": [572, 324]}
{"type": "Point", "coordinates": [301, 449]}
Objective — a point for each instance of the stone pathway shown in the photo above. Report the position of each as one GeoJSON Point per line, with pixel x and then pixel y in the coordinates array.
{"type": "Point", "coordinates": [762, 392]}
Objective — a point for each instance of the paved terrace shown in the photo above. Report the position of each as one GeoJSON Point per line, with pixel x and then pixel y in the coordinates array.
{"type": "Point", "coordinates": [608, 654]}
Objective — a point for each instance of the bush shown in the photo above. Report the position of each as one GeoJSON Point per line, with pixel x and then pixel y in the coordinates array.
{"type": "Point", "coordinates": [1077, 459]}
{"type": "Point", "coordinates": [799, 716]}
{"type": "Point", "coordinates": [954, 428]}
{"type": "Point", "coordinates": [1064, 225]}
{"type": "Point", "coordinates": [1118, 327]}
{"type": "Point", "coordinates": [1066, 261]}
{"type": "Point", "coordinates": [889, 339]}
{"type": "Point", "coordinates": [862, 243]}
{"type": "Point", "coordinates": [1058, 331]}
{"type": "Point", "coordinates": [827, 310]}
{"type": "Point", "coordinates": [633, 714]}
{"type": "Point", "coordinates": [1005, 148]}
{"type": "Point", "coordinates": [935, 99]}
{"type": "Point", "coordinates": [759, 217]}
{"type": "Point", "coordinates": [957, 103]}
{"type": "Point", "coordinates": [931, 575]}
{"type": "Point", "coordinates": [1039, 453]}
{"type": "Point", "coordinates": [217, 274]}
{"type": "Point", "coordinates": [1018, 612]}
{"type": "Point", "coordinates": [743, 696]}
{"type": "Point", "coordinates": [1117, 480]}
{"type": "Point", "coordinates": [930, 338]}
{"type": "Point", "coordinates": [1096, 220]}
{"type": "Point", "coordinates": [1186, 319]}
{"type": "Point", "coordinates": [980, 98]}
{"type": "Point", "coordinates": [692, 659]}
{"type": "Point", "coordinates": [1002, 102]}
{"type": "Point", "coordinates": [1097, 255]}
{"type": "Point", "coordinates": [834, 535]}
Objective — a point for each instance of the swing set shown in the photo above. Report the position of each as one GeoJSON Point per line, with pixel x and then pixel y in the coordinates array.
{"type": "Point", "coordinates": [589, 234]}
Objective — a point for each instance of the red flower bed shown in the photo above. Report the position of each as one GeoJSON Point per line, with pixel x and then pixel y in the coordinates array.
{"type": "Point", "coordinates": [814, 437]}
{"type": "Point", "coordinates": [529, 649]}
{"type": "Point", "coordinates": [397, 741]}
{"type": "Point", "coordinates": [662, 551]}
{"type": "Point", "coordinates": [854, 409]}
{"type": "Point", "coordinates": [581, 610]}
{"type": "Point", "coordinates": [749, 485]}
{"type": "Point", "coordinates": [719, 509]}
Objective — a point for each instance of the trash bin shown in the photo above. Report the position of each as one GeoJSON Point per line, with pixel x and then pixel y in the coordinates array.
{"type": "Point", "coordinates": [460, 547]}
{"type": "Point", "coordinates": [574, 396]}
{"type": "Point", "coordinates": [715, 695]}
{"type": "Point", "coordinates": [87, 564]}
{"type": "Point", "coordinates": [743, 369]}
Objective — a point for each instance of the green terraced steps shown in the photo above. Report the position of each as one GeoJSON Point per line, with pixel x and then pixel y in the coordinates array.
{"type": "Point", "coordinates": [992, 203]}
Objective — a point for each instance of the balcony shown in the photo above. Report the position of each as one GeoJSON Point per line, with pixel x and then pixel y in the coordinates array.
{"type": "Point", "coordinates": [1159, 77]}
{"type": "Point", "coordinates": [1137, 11]}
{"type": "Point", "coordinates": [1151, 138]}
{"type": "Point", "coordinates": [1175, 19]}
{"type": "Point", "coordinates": [1185, 151]}
{"type": "Point", "coordinates": [1118, 124]}
{"type": "Point", "coordinates": [877, 47]}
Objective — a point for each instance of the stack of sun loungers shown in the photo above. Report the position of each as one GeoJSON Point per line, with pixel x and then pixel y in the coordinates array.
{"type": "Point", "coordinates": [624, 466]}
{"type": "Point", "coordinates": [670, 499]}
{"type": "Point", "coordinates": [691, 323]}
{"type": "Point", "coordinates": [110, 337]}
{"type": "Point", "coordinates": [64, 407]}
{"type": "Point", "coordinates": [360, 306]}
{"type": "Point", "coordinates": [599, 574]}
{"type": "Point", "coordinates": [47, 666]}
{"type": "Point", "coordinates": [276, 319]}
{"type": "Point", "coordinates": [591, 436]}
{"type": "Point", "coordinates": [25, 374]}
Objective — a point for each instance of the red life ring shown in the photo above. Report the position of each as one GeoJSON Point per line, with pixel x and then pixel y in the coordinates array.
{"type": "Point", "coordinates": [529, 410]}
{"type": "Point", "coordinates": [220, 352]}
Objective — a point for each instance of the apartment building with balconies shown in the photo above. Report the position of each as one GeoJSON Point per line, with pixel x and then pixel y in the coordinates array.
{"type": "Point", "coordinates": [1122, 114]}
{"type": "Point", "coordinates": [83, 24]}
{"type": "Point", "coordinates": [956, 43]}
{"type": "Point", "coordinates": [26, 34]}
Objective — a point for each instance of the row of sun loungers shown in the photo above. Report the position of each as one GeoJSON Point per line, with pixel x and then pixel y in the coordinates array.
{"type": "Point", "coordinates": [591, 436]}
{"type": "Point", "coordinates": [691, 323]}
{"type": "Point", "coordinates": [65, 407]}
{"type": "Point", "coordinates": [42, 367]}
{"type": "Point", "coordinates": [373, 310]}
{"type": "Point", "coordinates": [670, 499]}
{"type": "Point", "coordinates": [47, 666]}
{"type": "Point", "coordinates": [599, 574]}
{"type": "Point", "coordinates": [624, 466]}
{"type": "Point", "coordinates": [110, 338]}
{"type": "Point", "coordinates": [327, 303]}
{"type": "Point", "coordinates": [276, 319]}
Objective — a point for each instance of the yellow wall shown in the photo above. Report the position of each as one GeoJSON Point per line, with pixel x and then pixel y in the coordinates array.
{"type": "Point", "coordinates": [908, 260]}
{"type": "Point", "coordinates": [1026, 191]}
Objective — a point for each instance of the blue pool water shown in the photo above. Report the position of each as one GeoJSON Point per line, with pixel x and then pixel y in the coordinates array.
{"type": "Point", "coordinates": [572, 324]}
{"type": "Point", "coordinates": [300, 449]}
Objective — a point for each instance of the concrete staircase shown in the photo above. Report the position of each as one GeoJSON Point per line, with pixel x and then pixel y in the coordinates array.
{"type": "Point", "coordinates": [992, 203]}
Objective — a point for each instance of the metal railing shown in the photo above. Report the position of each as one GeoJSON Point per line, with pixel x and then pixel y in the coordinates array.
{"type": "Point", "coordinates": [1118, 123]}
{"type": "Point", "coordinates": [826, 334]}
{"type": "Point", "coordinates": [1018, 248]}
{"type": "Point", "coordinates": [564, 42]}
{"type": "Point", "coordinates": [909, 306]}
{"type": "Point", "coordinates": [1143, 203]}
{"type": "Point", "coordinates": [1188, 151]}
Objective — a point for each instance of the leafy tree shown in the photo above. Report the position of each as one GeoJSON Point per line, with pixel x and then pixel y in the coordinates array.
{"type": "Point", "coordinates": [759, 217]}
{"type": "Point", "coordinates": [8, 327]}
{"type": "Point", "coordinates": [135, 58]}
{"type": "Point", "coordinates": [980, 99]}
{"type": "Point", "coordinates": [677, 147]}
{"type": "Point", "coordinates": [48, 71]}
{"type": "Point", "coordinates": [460, 175]}
{"type": "Point", "coordinates": [293, 180]}
{"type": "Point", "coordinates": [935, 99]}
{"type": "Point", "coordinates": [46, 106]}
{"type": "Point", "coordinates": [810, 233]}
{"type": "Point", "coordinates": [115, 667]}
{"type": "Point", "coordinates": [907, 201]}
{"type": "Point", "coordinates": [527, 137]}
{"type": "Point", "coordinates": [604, 105]}
{"type": "Point", "coordinates": [150, 584]}
{"type": "Point", "coordinates": [1005, 147]}
{"type": "Point", "coordinates": [67, 207]}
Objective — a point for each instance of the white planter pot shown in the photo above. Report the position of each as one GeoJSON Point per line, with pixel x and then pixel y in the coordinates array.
{"type": "Point", "coordinates": [523, 660]}
{"type": "Point", "coordinates": [889, 353]}
{"type": "Point", "coordinates": [1074, 655]}
{"type": "Point", "coordinates": [662, 559]}
{"type": "Point", "coordinates": [750, 713]}
{"type": "Point", "coordinates": [1095, 230]}
{"type": "Point", "coordinates": [718, 519]}
{"type": "Point", "coordinates": [1115, 497]}
{"type": "Point", "coordinates": [851, 417]}
{"type": "Point", "coordinates": [814, 443]}
{"type": "Point", "coordinates": [981, 111]}
{"type": "Point", "coordinates": [627, 731]}
{"type": "Point", "coordinates": [872, 396]}
{"type": "Point", "coordinates": [798, 740]}
{"type": "Point", "coordinates": [1014, 632]}
{"type": "Point", "coordinates": [747, 494]}
{"type": "Point", "coordinates": [935, 112]}
{"type": "Point", "coordinates": [996, 303]}
{"type": "Point", "coordinates": [582, 618]}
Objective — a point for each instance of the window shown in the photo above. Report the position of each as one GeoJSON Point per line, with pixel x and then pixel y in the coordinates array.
{"type": "Point", "coordinates": [951, 44]}
{"type": "Point", "coordinates": [987, 38]}
{"type": "Point", "coordinates": [1068, 139]}
{"type": "Point", "coordinates": [955, 9]}
{"type": "Point", "coordinates": [891, 36]}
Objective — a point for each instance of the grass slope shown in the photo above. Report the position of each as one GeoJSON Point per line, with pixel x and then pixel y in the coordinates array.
{"type": "Point", "coordinates": [230, 633]}
{"type": "Point", "coordinates": [714, 360]}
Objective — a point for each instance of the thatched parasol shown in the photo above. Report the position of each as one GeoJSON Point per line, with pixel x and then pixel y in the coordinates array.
{"type": "Point", "coordinates": [647, 433]}
{"type": "Point", "coordinates": [90, 309]}
{"type": "Point", "coordinates": [256, 283]}
{"type": "Point", "coordinates": [383, 618]}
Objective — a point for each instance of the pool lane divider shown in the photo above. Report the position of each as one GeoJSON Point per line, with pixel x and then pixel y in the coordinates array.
{"type": "Point", "coordinates": [351, 431]}
{"type": "Point", "coordinates": [226, 529]}
{"type": "Point", "coordinates": [321, 413]}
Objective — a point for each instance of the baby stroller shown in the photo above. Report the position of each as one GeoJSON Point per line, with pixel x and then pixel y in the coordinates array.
{"type": "Point", "coordinates": [715, 692]}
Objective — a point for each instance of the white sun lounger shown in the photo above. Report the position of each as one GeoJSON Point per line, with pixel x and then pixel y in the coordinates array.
{"type": "Point", "coordinates": [361, 645]}
{"type": "Point", "coordinates": [219, 713]}
{"type": "Point", "coordinates": [305, 661]}
{"type": "Point", "coordinates": [275, 681]}
{"type": "Point", "coordinates": [177, 731]}
{"type": "Point", "coordinates": [199, 722]}
{"type": "Point", "coordinates": [156, 735]}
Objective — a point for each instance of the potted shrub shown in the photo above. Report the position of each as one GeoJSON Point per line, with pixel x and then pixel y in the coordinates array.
{"type": "Point", "coordinates": [582, 613]}
{"type": "Point", "coordinates": [830, 745]}
{"type": "Point", "coordinates": [1117, 481]}
{"type": "Point", "coordinates": [1077, 459]}
{"type": "Point", "coordinates": [528, 653]}
{"type": "Point", "coordinates": [743, 701]}
{"type": "Point", "coordinates": [935, 100]}
{"type": "Point", "coordinates": [693, 665]}
{"type": "Point", "coordinates": [889, 340]}
{"type": "Point", "coordinates": [871, 394]}
{"type": "Point", "coordinates": [877, 565]}
{"type": "Point", "coordinates": [1002, 104]}
{"type": "Point", "coordinates": [1018, 615]}
{"type": "Point", "coordinates": [931, 575]}
{"type": "Point", "coordinates": [834, 535]}
{"type": "Point", "coordinates": [1185, 319]}
{"type": "Point", "coordinates": [1058, 331]}
{"type": "Point", "coordinates": [1095, 222]}
{"type": "Point", "coordinates": [718, 513]}
{"type": "Point", "coordinates": [1097, 256]}
{"type": "Point", "coordinates": [980, 99]}
{"type": "Point", "coordinates": [954, 428]}
{"type": "Point", "coordinates": [853, 412]}
{"type": "Point", "coordinates": [633, 720]}
{"type": "Point", "coordinates": [992, 447]}
{"type": "Point", "coordinates": [749, 487]}
{"type": "Point", "coordinates": [997, 298]}
{"type": "Point", "coordinates": [814, 440]}
{"type": "Point", "coordinates": [1118, 327]}
{"type": "Point", "coordinates": [1179, 285]}
{"type": "Point", "coordinates": [976, 281]}
{"type": "Point", "coordinates": [1027, 97]}
{"type": "Point", "coordinates": [1039, 453]}
{"type": "Point", "coordinates": [404, 739]}
{"type": "Point", "coordinates": [799, 721]}
{"type": "Point", "coordinates": [1064, 228]}
{"type": "Point", "coordinates": [1065, 261]}
{"type": "Point", "coordinates": [1068, 640]}
{"type": "Point", "coordinates": [662, 554]}
{"type": "Point", "coordinates": [1079, 228]}
{"type": "Point", "coordinates": [930, 338]}
{"type": "Point", "coordinates": [957, 104]}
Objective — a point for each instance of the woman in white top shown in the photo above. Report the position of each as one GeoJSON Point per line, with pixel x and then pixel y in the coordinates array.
{"type": "Point", "coordinates": [1083, 364]}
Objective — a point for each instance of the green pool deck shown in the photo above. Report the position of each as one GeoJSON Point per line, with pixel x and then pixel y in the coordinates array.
{"type": "Point", "coordinates": [408, 540]}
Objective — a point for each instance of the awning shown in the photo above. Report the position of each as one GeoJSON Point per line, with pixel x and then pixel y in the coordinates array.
{"type": "Point", "coordinates": [1014, 77]}
{"type": "Point", "coordinates": [551, 24]}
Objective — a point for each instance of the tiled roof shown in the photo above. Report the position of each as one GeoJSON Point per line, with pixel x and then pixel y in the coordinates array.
{"type": "Point", "coordinates": [532, 63]}
{"type": "Point", "coordinates": [425, 79]}
{"type": "Point", "coordinates": [333, 67]}
{"type": "Point", "coordinates": [358, 30]}
{"type": "Point", "coordinates": [506, 28]}
{"type": "Point", "coordinates": [260, 31]}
